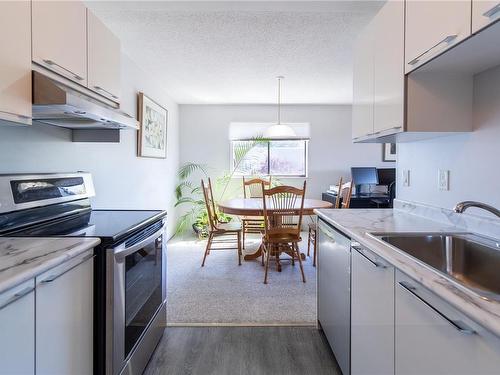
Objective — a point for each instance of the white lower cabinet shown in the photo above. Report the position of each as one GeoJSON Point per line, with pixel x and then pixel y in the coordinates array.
{"type": "Point", "coordinates": [372, 314]}
{"type": "Point", "coordinates": [334, 297]}
{"type": "Point", "coordinates": [64, 318]}
{"type": "Point", "coordinates": [432, 337]}
{"type": "Point", "coordinates": [17, 330]}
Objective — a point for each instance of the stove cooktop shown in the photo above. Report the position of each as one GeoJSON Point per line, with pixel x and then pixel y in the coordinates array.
{"type": "Point", "coordinates": [108, 225]}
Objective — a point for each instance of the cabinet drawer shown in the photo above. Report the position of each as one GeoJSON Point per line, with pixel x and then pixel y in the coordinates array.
{"type": "Point", "coordinates": [433, 337]}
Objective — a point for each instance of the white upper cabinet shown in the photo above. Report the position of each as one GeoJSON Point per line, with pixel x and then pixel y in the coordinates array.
{"type": "Point", "coordinates": [362, 108]}
{"type": "Point", "coordinates": [104, 51]}
{"type": "Point", "coordinates": [389, 68]}
{"type": "Point", "coordinates": [15, 61]}
{"type": "Point", "coordinates": [432, 27]}
{"type": "Point", "coordinates": [484, 12]}
{"type": "Point", "coordinates": [60, 38]}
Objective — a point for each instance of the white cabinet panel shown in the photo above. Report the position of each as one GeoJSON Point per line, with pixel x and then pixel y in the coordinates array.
{"type": "Point", "coordinates": [17, 330]}
{"type": "Point", "coordinates": [434, 338]}
{"type": "Point", "coordinates": [334, 296]}
{"type": "Point", "coordinates": [372, 314]}
{"type": "Point", "coordinates": [389, 68]}
{"type": "Point", "coordinates": [15, 61]}
{"type": "Point", "coordinates": [362, 107]}
{"type": "Point", "coordinates": [60, 38]}
{"type": "Point", "coordinates": [484, 12]}
{"type": "Point", "coordinates": [434, 26]}
{"type": "Point", "coordinates": [64, 318]}
{"type": "Point", "coordinates": [104, 53]}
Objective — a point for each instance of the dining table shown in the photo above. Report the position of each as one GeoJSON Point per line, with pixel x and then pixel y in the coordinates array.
{"type": "Point", "coordinates": [255, 207]}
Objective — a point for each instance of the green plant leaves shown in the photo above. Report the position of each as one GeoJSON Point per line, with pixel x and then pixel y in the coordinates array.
{"type": "Point", "coordinates": [188, 168]}
{"type": "Point", "coordinates": [188, 192]}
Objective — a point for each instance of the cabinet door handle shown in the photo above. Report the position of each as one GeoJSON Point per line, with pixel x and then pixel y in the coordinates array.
{"type": "Point", "coordinates": [373, 262]}
{"type": "Point", "coordinates": [457, 324]}
{"type": "Point", "coordinates": [51, 278]}
{"type": "Point", "coordinates": [17, 296]}
{"type": "Point", "coordinates": [53, 63]}
{"type": "Point", "coordinates": [99, 88]}
{"type": "Point", "coordinates": [491, 12]}
{"type": "Point", "coordinates": [447, 39]}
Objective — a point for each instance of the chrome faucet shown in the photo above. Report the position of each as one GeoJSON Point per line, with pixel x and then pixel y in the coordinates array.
{"type": "Point", "coordinates": [462, 206]}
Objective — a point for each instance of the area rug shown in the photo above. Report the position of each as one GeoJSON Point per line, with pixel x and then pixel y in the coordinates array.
{"type": "Point", "coordinates": [223, 293]}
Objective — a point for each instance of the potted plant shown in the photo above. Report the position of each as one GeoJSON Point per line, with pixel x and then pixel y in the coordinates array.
{"type": "Point", "coordinates": [188, 191]}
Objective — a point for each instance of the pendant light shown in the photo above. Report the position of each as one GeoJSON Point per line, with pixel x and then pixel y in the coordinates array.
{"type": "Point", "coordinates": [279, 130]}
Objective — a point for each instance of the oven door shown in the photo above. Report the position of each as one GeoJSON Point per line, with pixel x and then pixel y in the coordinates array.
{"type": "Point", "coordinates": [139, 293]}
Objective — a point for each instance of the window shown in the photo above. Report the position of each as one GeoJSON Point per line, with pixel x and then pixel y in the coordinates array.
{"type": "Point", "coordinates": [287, 158]}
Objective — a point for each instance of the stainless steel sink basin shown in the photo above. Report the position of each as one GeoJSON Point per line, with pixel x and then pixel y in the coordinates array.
{"type": "Point", "coordinates": [470, 260]}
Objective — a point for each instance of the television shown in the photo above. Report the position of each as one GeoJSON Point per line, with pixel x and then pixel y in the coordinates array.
{"type": "Point", "coordinates": [364, 175]}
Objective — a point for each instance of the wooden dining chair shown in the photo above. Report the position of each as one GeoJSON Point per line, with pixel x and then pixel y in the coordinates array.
{"type": "Point", "coordinates": [313, 228]}
{"type": "Point", "coordinates": [252, 188]}
{"type": "Point", "coordinates": [345, 193]}
{"type": "Point", "coordinates": [283, 210]}
{"type": "Point", "coordinates": [216, 228]}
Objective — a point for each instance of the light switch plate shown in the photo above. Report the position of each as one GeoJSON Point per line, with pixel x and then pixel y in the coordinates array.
{"type": "Point", "coordinates": [444, 179]}
{"type": "Point", "coordinates": [406, 177]}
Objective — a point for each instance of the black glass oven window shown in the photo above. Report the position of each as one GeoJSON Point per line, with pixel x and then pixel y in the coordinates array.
{"type": "Point", "coordinates": [143, 290]}
{"type": "Point", "coordinates": [25, 191]}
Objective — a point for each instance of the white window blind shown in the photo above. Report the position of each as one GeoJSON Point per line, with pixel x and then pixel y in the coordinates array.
{"type": "Point", "coordinates": [248, 130]}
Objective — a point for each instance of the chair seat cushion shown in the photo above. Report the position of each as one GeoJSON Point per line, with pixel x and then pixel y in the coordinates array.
{"type": "Point", "coordinates": [232, 226]}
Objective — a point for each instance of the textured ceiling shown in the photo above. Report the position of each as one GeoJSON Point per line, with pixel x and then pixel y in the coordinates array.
{"type": "Point", "coordinates": [231, 52]}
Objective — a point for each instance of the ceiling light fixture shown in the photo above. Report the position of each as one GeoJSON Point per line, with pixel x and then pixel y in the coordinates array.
{"type": "Point", "coordinates": [279, 130]}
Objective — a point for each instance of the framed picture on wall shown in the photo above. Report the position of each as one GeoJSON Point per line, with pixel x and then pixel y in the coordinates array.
{"type": "Point", "coordinates": [389, 152]}
{"type": "Point", "coordinates": [152, 134]}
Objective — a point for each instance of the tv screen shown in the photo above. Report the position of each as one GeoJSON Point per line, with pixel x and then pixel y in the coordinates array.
{"type": "Point", "coordinates": [364, 175]}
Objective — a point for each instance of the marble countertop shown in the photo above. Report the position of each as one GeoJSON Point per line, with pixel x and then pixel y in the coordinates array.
{"type": "Point", "coordinates": [358, 223]}
{"type": "Point", "coordinates": [24, 258]}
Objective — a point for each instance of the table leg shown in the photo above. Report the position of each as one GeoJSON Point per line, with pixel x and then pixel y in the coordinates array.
{"type": "Point", "coordinates": [258, 253]}
{"type": "Point", "coordinates": [255, 255]}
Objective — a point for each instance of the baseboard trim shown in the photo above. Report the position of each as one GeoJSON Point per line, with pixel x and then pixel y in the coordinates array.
{"type": "Point", "coordinates": [250, 324]}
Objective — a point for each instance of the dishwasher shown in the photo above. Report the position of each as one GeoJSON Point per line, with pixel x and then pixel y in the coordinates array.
{"type": "Point", "coordinates": [334, 291]}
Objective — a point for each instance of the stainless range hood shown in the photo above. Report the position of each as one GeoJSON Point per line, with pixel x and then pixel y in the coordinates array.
{"type": "Point", "coordinates": [57, 104]}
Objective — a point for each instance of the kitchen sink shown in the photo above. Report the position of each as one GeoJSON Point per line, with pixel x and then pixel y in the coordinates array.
{"type": "Point", "coordinates": [470, 260]}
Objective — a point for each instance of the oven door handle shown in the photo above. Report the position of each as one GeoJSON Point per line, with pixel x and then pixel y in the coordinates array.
{"type": "Point", "coordinates": [122, 251]}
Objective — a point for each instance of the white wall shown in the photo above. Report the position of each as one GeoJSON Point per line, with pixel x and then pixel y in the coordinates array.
{"type": "Point", "coordinates": [204, 131]}
{"type": "Point", "coordinates": [122, 180]}
{"type": "Point", "coordinates": [473, 158]}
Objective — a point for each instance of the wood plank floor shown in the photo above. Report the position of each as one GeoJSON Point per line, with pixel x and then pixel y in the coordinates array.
{"type": "Point", "coordinates": [242, 350]}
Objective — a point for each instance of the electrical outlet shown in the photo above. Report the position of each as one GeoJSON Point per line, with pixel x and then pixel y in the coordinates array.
{"type": "Point", "coordinates": [406, 177]}
{"type": "Point", "coordinates": [443, 179]}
